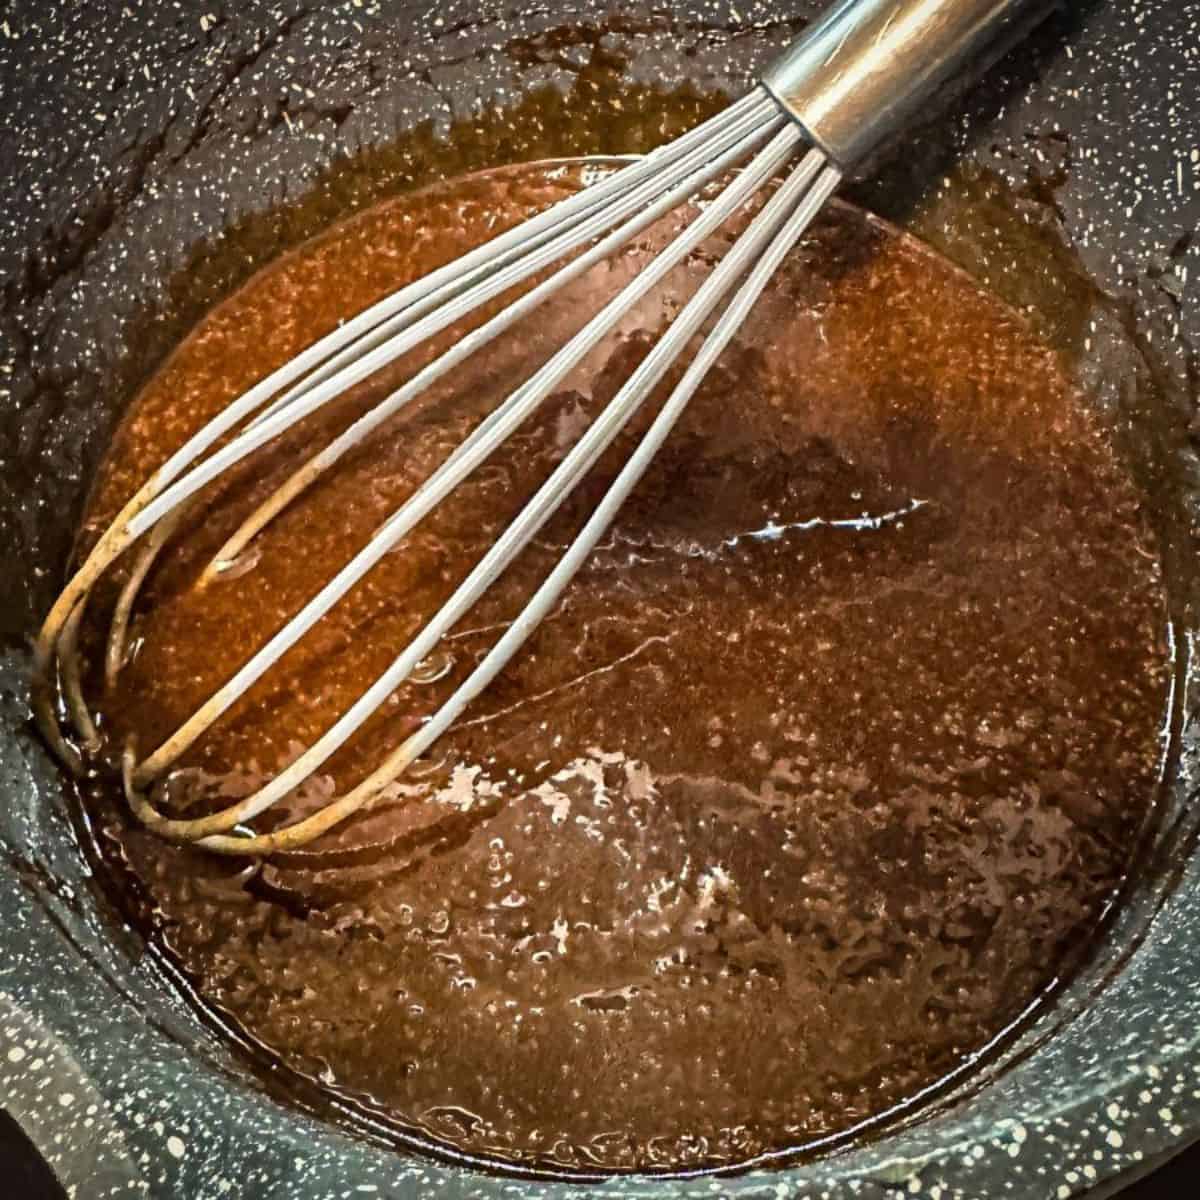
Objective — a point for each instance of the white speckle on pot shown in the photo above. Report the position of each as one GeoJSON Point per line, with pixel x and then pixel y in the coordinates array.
{"type": "Point", "coordinates": [1114, 1139]}
{"type": "Point", "coordinates": [175, 1146]}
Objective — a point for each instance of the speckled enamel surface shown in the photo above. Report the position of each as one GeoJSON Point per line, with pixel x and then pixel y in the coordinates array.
{"type": "Point", "coordinates": [131, 132]}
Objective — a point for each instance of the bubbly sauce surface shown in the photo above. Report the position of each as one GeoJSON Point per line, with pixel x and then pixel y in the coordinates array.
{"type": "Point", "coordinates": [832, 753]}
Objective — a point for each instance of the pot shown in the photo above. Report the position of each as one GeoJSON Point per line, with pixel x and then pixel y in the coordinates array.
{"type": "Point", "coordinates": [152, 144]}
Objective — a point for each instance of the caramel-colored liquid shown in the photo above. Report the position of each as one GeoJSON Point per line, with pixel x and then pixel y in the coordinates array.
{"type": "Point", "coordinates": [828, 758]}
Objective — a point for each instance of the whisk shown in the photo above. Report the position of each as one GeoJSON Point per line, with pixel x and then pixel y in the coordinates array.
{"type": "Point", "coordinates": [844, 88]}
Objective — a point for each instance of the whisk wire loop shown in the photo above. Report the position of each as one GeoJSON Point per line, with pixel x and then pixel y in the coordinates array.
{"type": "Point", "coordinates": [568, 239]}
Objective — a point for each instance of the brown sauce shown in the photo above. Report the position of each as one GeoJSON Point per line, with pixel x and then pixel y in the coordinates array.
{"type": "Point", "coordinates": [831, 755]}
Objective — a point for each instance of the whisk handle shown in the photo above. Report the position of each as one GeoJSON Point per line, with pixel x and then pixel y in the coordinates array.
{"type": "Point", "coordinates": [866, 68]}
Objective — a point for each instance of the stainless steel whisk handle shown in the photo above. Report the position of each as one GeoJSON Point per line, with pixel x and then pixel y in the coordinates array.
{"type": "Point", "coordinates": [865, 68]}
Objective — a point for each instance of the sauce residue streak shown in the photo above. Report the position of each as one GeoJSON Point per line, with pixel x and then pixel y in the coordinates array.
{"type": "Point", "coordinates": [832, 753]}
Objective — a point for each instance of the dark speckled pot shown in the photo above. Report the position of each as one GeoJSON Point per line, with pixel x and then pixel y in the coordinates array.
{"type": "Point", "coordinates": [133, 133]}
